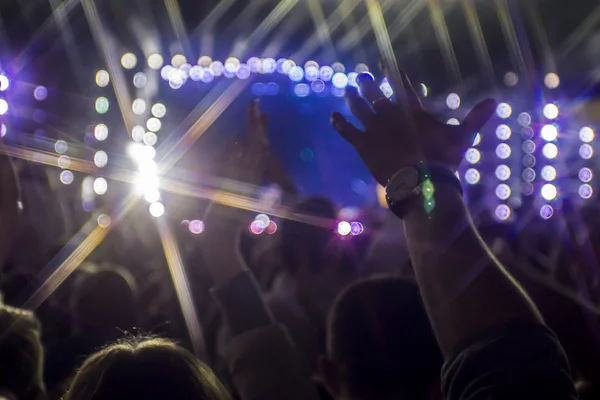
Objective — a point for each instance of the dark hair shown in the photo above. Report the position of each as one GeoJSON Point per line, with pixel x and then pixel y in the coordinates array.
{"type": "Point", "coordinates": [145, 368]}
{"type": "Point", "coordinates": [380, 338]}
{"type": "Point", "coordinates": [313, 239]}
{"type": "Point", "coordinates": [21, 354]}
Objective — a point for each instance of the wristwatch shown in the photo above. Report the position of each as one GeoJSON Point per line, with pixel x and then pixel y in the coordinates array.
{"type": "Point", "coordinates": [409, 184]}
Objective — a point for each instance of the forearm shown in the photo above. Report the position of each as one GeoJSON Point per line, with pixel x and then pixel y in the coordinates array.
{"type": "Point", "coordinates": [464, 288]}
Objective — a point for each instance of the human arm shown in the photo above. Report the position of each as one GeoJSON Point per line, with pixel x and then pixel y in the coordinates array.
{"type": "Point", "coordinates": [471, 300]}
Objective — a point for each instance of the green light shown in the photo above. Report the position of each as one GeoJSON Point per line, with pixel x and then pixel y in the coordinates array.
{"type": "Point", "coordinates": [428, 189]}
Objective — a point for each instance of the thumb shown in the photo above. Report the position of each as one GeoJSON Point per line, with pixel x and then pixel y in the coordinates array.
{"type": "Point", "coordinates": [479, 115]}
{"type": "Point", "coordinates": [348, 131]}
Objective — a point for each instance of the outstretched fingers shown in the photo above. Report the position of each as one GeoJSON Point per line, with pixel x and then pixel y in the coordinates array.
{"type": "Point", "coordinates": [479, 115]}
{"type": "Point", "coordinates": [347, 130]}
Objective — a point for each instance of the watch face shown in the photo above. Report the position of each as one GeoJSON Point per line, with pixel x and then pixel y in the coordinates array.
{"type": "Point", "coordinates": [403, 184]}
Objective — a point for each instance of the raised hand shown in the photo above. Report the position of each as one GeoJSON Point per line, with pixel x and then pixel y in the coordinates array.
{"type": "Point", "coordinates": [403, 134]}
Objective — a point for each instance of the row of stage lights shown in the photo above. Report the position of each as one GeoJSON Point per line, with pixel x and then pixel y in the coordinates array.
{"type": "Point", "coordinates": [549, 133]}
{"type": "Point", "coordinates": [4, 84]}
{"type": "Point", "coordinates": [177, 73]}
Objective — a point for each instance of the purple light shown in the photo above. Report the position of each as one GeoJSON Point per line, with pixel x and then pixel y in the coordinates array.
{"type": "Point", "coordinates": [585, 191]}
{"type": "Point", "coordinates": [257, 227]}
{"type": "Point", "coordinates": [318, 86]}
{"type": "Point", "coordinates": [296, 74]}
{"type": "Point", "coordinates": [356, 228]}
{"type": "Point", "coordinates": [503, 191]}
{"type": "Point", "coordinates": [311, 73]}
{"type": "Point", "coordinates": [207, 75]}
{"type": "Point", "coordinates": [271, 228]}
{"type": "Point", "coordinates": [503, 151]}
{"type": "Point", "coordinates": [503, 212]}
{"type": "Point", "coordinates": [243, 72]}
{"type": "Point", "coordinates": [254, 64]}
{"type": "Point", "coordinates": [196, 73]}
{"type": "Point", "coordinates": [529, 161]}
{"type": "Point", "coordinates": [527, 132]}
{"type": "Point", "coordinates": [472, 176]}
{"type": "Point", "coordinates": [546, 211]}
{"type": "Point", "coordinates": [528, 146]}
{"type": "Point", "coordinates": [326, 73]}
{"type": "Point", "coordinates": [586, 151]}
{"type": "Point", "coordinates": [40, 93]}
{"type": "Point", "coordinates": [196, 227]}
{"type": "Point", "coordinates": [269, 66]}
{"type": "Point", "coordinates": [528, 174]}
{"type": "Point", "coordinates": [585, 175]}
{"type": "Point", "coordinates": [217, 68]}
{"type": "Point", "coordinates": [301, 90]}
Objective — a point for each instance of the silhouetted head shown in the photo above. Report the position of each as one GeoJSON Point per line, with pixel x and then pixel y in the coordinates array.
{"type": "Point", "coordinates": [21, 355]}
{"type": "Point", "coordinates": [145, 368]}
{"type": "Point", "coordinates": [380, 344]}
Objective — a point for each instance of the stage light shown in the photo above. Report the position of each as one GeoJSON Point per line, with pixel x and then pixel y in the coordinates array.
{"type": "Point", "coordinates": [527, 132]}
{"type": "Point", "coordinates": [586, 151]}
{"type": "Point", "coordinates": [129, 61]}
{"type": "Point", "coordinates": [271, 228]}
{"type": "Point", "coordinates": [528, 175]}
{"type": "Point", "coordinates": [5, 83]}
{"type": "Point", "coordinates": [453, 121]}
{"type": "Point", "coordinates": [503, 212]}
{"type": "Point", "coordinates": [263, 218]}
{"type": "Point", "coordinates": [339, 80]}
{"type": "Point", "coordinates": [551, 80]}
{"type": "Point", "coordinates": [100, 186]}
{"type": "Point", "coordinates": [326, 73]}
{"type": "Point", "coordinates": [503, 191]}
{"type": "Point", "coordinates": [549, 133]}
{"type": "Point", "coordinates": [184, 70]}
{"type": "Point", "coordinates": [3, 130]}
{"type": "Point", "coordinates": [472, 156]}
{"type": "Point", "coordinates": [61, 146]}
{"type": "Point", "coordinates": [159, 110]}
{"type": "Point", "coordinates": [503, 132]}
{"type": "Point", "coordinates": [585, 191]}
{"type": "Point", "coordinates": [296, 74]}
{"type": "Point", "coordinates": [311, 73]}
{"type": "Point", "coordinates": [352, 79]}
{"type": "Point", "coordinates": [511, 79]}
{"type": "Point", "coordinates": [258, 89]}
{"type": "Point", "coordinates": [257, 227]}
{"type": "Point", "coordinates": [217, 68]}
{"type": "Point", "coordinates": [477, 139]}
{"type": "Point", "coordinates": [268, 66]}
{"type": "Point", "coordinates": [100, 159]}
{"type": "Point", "coordinates": [548, 173]}
{"type": "Point", "coordinates": [178, 60]}
{"type": "Point", "coordinates": [287, 66]}
{"type": "Point", "coordinates": [166, 72]}
{"type": "Point", "coordinates": [585, 175]}
{"type": "Point", "coordinates": [549, 192]}
{"type": "Point", "coordinates": [318, 86]}
{"type": "Point", "coordinates": [310, 64]}
{"type": "Point", "coordinates": [472, 176]}
{"type": "Point", "coordinates": [344, 228]}
{"type": "Point", "coordinates": [64, 162]}
{"type": "Point", "coordinates": [524, 119]}
{"type": "Point", "coordinates": [140, 80]}
{"type": "Point", "coordinates": [155, 61]}
{"type": "Point", "coordinates": [196, 226]}
{"type": "Point", "coordinates": [586, 134]}
{"type": "Point", "coordinates": [137, 133]}
{"type": "Point", "coordinates": [176, 80]}
{"type": "Point", "coordinates": [503, 172]}
{"type": "Point", "coordinates": [232, 64]}
{"type": "Point", "coordinates": [338, 67]}
{"type": "Point", "coordinates": [152, 195]}
{"type": "Point", "coordinates": [40, 93]}
{"type": "Point", "coordinates": [101, 132]}
{"type": "Point", "coordinates": [361, 68]}
{"type": "Point", "coordinates": [253, 64]}
{"type": "Point", "coordinates": [204, 61]}
{"type": "Point", "coordinates": [504, 110]}
{"type": "Point", "coordinates": [527, 188]}
{"type": "Point", "coordinates": [101, 105]}
{"type": "Point", "coordinates": [529, 161]}
{"type": "Point", "coordinates": [424, 90]}
{"type": "Point", "coordinates": [386, 88]}
{"type": "Point", "coordinates": [195, 73]}
{"type": "Point", "coordinates": [301, 90]}
{"type": "Point", "coordinates": [157, 209]}
{"type": "Point", "coordinates": [503, 151]}
{"type": "Point", "coordinates": [243, 72]}
{"type": "Point", "coordinates": [550, 151]}
{"type": "Point", "coordinates": [138, 106]}
{"type": "Point", "coordinates": [66, 177]}
{"type": "Point", "coordinates": [356, 228]}
{"type": "Point", "coordinates": [528, 146]}
{"type": "Point", "coordinates": [551, 111]}
{"type": "Point", "coordinates": [150, 138]}
{"type": "Point", "coordinates": [546, 211]}
{"type": "Point", "coordinates": [153, 124]}
{"type": "Point", "coordinates": [207, 75]}
{"type": "Point", "coordinates": [103, 221]}
{"type": "Point", "coordinates": [453, 101]}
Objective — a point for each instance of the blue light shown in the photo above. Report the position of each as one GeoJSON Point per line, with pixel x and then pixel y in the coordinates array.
{"type": "Point", "coordinates": [546, 211]}
{"type": "Point", "coordinates": [243, 71]}
{"type": "Point", "coordinates": [326, 73]}
{"type": "Point", "coordinates": [318, 86]}
{"type": "Point", "coordinates": [269, 65]}
{"type": "Point", "coordinates": [339, 80]}
{"type": "Point", "coordinates": [259, 89]}
{"type": "Point", "coordinates": [272, 89]}
{"type": "Point", "coordinates": [296, 74]}
{"type": "Point", "coordinates": [301, 90]}
{"type": "Point", "coordinates": [311, 73]}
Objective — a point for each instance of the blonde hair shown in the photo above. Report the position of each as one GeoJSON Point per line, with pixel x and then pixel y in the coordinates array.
{"type": "Point", "coordinates": [148, 368]}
